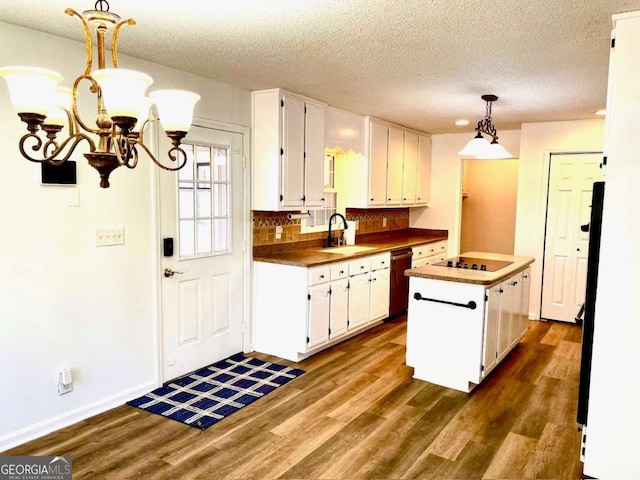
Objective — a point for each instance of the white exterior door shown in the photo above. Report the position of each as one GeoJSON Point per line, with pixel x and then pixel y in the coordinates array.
{"type": "Point", "coordinates": [201, 209]}
{"type": "Point", "coordinates": [571, 179]}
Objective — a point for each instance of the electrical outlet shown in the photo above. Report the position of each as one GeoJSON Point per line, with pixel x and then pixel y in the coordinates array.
{"type": "Point", "coordinates": [384, 221]}
{"type": "Point", "coordinates": [278, 232]}
{"type": "Point", "coordinates": [109, 236]}
{"type": "Point", "coordinates": [65, 381]}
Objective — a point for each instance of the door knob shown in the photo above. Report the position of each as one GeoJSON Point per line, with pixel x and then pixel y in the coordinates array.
{"type": "Point", "coordinates": [170, 273]}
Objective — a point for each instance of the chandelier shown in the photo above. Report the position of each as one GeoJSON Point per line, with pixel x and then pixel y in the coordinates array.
{"type": "Point", "coordinates": [123, 109]}
{"type": "Point", "coordinates": [479, 147]}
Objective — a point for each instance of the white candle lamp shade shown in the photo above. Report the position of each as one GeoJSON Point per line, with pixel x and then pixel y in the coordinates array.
{"type": "Point", "coordinates": [123, 91]}
{"type": "Point", "coordinates": [61, 101]}
{"type": "Point", "coordinates": [143, 114]}
{"type": "Point", "coordinates": [475, 147]}
{"type": "Point", "coordinates": [31, 88]}
{"type": "Point", "coordinates": [494, 151]}
{"type": "Point", "coordinates": [175, 108]}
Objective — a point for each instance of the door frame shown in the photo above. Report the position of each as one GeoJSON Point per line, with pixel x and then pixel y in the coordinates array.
{"type": "Point", "coordinates": [247, 239]}
{"type": "Point", "coordinates": [544, 208]}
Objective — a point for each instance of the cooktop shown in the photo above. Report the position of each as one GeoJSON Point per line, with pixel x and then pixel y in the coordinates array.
{"type": "Point", "coordinates": [471, 263]}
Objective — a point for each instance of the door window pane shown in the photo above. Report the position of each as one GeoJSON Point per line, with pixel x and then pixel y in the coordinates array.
{"type": "Point", "coordinates": [204, 197]}
{"type": "Point", "coordinates": [187, 239]}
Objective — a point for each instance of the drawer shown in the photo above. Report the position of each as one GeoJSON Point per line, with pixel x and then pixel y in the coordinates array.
{"type": "Point", "coordinates": [318, 275]}
{"type": "Point", "coordinates": [421, 251]}
{"type": "Point", "coordinates": [431, 259]}
{"type": "Point", "coordinates": [381, 261]}
{"type": "Point", "coordinates": [438, 248]}
{"type": "Point", "coordinates": [362, 265]}
{"type": "Point", "coordinates": [339, 270]}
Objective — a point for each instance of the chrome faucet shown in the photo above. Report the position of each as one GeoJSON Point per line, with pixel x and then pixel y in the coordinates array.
{"type": "Point", "coordinates": [329, 237]}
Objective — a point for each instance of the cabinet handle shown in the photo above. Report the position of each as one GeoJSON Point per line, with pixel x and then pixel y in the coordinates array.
{"type": "Point", "coordinates": [341, 272]}
{"type": "Point", "coordinates": [501, 291]}
{"type": "Point", "coordinates": [371, 199]}
{"type": "Point", "coordinates": [470, 305]}
{"type": "Point", "coordinates": [361, 267]}
{"type": "Point", "coordinates": [525, 276]}
{"type": "Point", "coordinates": [388, 199]}
{"type": "Point", "coordinates": [321, 277]}
{"type": "Point", "coordinates": [513, 284]}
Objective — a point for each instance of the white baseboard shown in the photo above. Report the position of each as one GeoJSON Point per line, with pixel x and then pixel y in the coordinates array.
{"type": "Point", "coordinates": [37, 430]}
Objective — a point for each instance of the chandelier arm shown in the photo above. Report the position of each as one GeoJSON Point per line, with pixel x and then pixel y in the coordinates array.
{"type": "Point", "coordinates": [114, 39]}
{"type": "Point", "coordinates": [126, 152]}
{"type": "Point", "coordinates": [51, 157]}
{"type": "Point", "coordinates": [87, 39]}
{"type": "Point", "coordinates": [74, 103]}
{"type": "Point", "coordinates": [179, 154]}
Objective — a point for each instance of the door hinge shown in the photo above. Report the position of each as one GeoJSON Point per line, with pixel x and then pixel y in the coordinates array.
{"type": "Point", "coordinates": [348, 285]}
{"type": "Point", "coordinates": [303, 198]}
{"type": "Point", "coordinates": [282, 102]}
{"type": "Point", "coordinates": [330, 291]}
{"type": "Point", "coordinates": [329, 330]}
{"type": "Point", "coordinates": [604, 160]}
{"type": "Point", "coordinates": [282, 151]}
{"type": "Point", "coordinates": [482, 368]}
{"type": "Point", "coordinates": [308, 340]}
{"type": "Point", "coordinates": [281, 198]}
{"type": "Point", "coordinates": [304, 155]}
{"type": "Point", "coordinates": [613, 43]}
{"type": "Point", "coordinates": [305, 109]}
{"type": "Point", "coordinates": [308, 296]}
{"type": "Point", "coordinates": [486, 297]}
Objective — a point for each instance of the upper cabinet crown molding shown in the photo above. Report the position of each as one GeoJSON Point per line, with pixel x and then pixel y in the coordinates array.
{"type": "Point", "coordinates": [287, 146]}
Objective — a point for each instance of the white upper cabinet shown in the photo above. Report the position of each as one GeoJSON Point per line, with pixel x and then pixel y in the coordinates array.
{"type": "Point", "coordinates": [409, 168]}
{"type": "Point", "coordinates": [287, 151]}
{"type": "Point", "coordinates": [393, 171]}
{"type": "Point", "coordinates": [378, 152]}
{"type": "Point", "coordinates": [423, 175]}
{"type": "Point", "coordinates": [395, 161]}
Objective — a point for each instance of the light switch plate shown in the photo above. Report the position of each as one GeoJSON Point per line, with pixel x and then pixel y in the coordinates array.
{"type": "Point", "coordinates": [109, 236]}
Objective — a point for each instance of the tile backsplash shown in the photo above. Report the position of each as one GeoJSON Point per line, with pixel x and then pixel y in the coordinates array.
{"type": "Point", "coordinates": [369, 220]}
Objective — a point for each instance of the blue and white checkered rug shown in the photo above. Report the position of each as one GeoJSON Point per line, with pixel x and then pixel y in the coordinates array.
{"type": "Point", "coordinates": [210, 394]}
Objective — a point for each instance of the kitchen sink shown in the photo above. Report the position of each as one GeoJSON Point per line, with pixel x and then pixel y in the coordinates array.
{"type": "Point", "coordinates": [347, 249]}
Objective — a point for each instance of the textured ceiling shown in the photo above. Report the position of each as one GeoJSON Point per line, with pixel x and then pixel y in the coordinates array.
{"type": "Point", "coordinates": [420, 63]}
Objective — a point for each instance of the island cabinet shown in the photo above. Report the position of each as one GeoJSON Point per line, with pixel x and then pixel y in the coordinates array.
{"type": "Point", "coordinates": [458, 332]}
{"type": "Point", "coordinates": [394, 170]}
{"type": "Point", "coordinates": [300, 311]}
{"type": "Point", "coordinates": [287, 148]}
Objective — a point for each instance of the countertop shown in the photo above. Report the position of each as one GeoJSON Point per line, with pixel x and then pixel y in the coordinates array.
{"type": "Point", "coordinates": [313, 256]}
{"type": "Point", "coordinates": [477, 277]}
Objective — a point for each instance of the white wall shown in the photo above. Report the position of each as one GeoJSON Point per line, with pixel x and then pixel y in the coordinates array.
{"type": "Point", "coordinates": [65, 302]}
{"type": "Point", "coordinates": [537, 142]}
{"type": "Point", "coordinates": [444, 211]}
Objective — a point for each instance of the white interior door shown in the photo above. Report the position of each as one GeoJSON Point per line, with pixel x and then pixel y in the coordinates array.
{"type": "Point", "coordinates": [571, 179]}
{"type": "Point", "coordinates": [201, 209]}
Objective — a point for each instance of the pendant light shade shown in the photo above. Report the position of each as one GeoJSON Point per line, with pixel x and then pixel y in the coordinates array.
{"type": "Point", "coordinates": [31, 88]}
{"type": "Point", "coordinates": [123, 91]}
{"type": "Point", "coordinates": [175, 108]}
{"type": "Point", "coordinates": [479, 147]}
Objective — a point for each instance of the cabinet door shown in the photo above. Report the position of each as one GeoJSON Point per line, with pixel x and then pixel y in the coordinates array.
{"type": "Point", "coordinates": [524, 308]}
{"type": "Point", "coordinates": [380, 284]}
{"type": "Point", "coordinates": [491, 326]}
{"type": "Point", "coordinates": [318, 315]}
{"type": "Point", "coordinates": [423, 176]}
{"type": "Point", "coordinates": [378, 150]}
{"type": "Point", "coordinates": [515, 306]}
{"type": "Point", "coordinates": [292, 167]}
{"type": "Point", "coordinates": [504, 328]}
{"type": "Point", "coordinates": [314, 156]}
{"type": "Point", "coordinates": [409, 168]}
{"type": "Point", "coordinates": [358, 300]}
{"type": "Point", "coordinates": [394, 166]}
{"type": "Point", "coordinates": [339, 308]}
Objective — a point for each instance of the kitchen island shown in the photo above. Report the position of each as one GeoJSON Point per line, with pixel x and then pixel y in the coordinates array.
{"type": "Point", "coordinates": [465, 315]}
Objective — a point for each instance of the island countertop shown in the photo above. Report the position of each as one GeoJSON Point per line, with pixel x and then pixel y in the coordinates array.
{"type": "Point", "coordinates": [477, 277]}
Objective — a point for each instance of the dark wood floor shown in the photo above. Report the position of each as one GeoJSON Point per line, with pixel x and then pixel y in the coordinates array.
{"type": "Point", "coordinates": [358, 414]}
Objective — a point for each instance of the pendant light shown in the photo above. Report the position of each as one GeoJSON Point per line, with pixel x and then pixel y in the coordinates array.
{"type": "Point", "coordinates": [479, 147]}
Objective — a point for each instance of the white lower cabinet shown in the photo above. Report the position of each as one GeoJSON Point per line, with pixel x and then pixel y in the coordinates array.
{"type": "Point", "coordinates": [429, 253]}
{"type": "Point", "coordinates": [298, 310]}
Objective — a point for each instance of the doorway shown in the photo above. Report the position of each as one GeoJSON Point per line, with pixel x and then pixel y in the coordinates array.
{"type": "Point", "coordinates": [564, 270]}
{"type": "Point", "coordinates": [488, 213]}
{"type": "Point", "coordinates": [203, 285]}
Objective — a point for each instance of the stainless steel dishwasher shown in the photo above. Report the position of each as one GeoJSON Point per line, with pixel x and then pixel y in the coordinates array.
{"type": "Point", "coordinates": [399, 291]}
